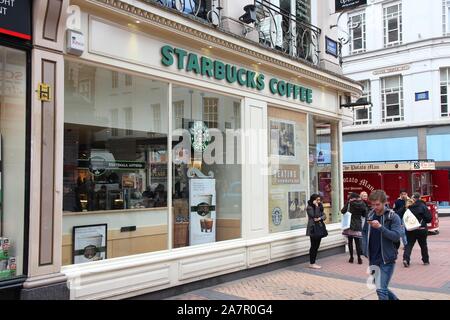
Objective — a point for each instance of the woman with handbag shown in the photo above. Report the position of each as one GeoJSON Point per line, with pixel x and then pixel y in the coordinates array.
{"type": "Point", "coordinates": [316, 229]}
{"type": "Point", "coordinates": [358, 209]}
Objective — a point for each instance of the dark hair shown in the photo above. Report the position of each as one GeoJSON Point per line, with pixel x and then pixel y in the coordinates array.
{"type": "Point", "coordinates": [403, 191]}
{"type": "Point", "coordinates": [378, 195]}
{"type": "Point", "coordinates": [353, 195]}
{"type": "Point", "coordinates": [314, 197]}
{"type": "Point", "coordinates": [416, 196]}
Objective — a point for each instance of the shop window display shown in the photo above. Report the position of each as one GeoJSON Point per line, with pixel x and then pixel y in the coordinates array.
{"type": "Point", "coordinates": [323, 166]}
{"type": "Point", "coordinates": [115, 162]}
{"type": "Point", "coordinates": [12, 160]}
{"type": "Point", "coordinates": [288, 182]}
{"type": "Point", "coordinates": [206, 170]}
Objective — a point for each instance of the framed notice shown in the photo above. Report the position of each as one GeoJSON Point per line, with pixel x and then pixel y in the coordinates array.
{"type": "Point", "coordinates": [89, 243]}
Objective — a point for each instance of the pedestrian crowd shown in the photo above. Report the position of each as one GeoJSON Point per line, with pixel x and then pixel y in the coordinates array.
{"type": "Point", "coordinates": [377, 232]}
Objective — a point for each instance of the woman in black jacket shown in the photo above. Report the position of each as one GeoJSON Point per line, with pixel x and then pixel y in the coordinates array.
{"type": "Point", "coordinates": [358, 209]}
{"type": "Point", "coordinates": [315, 214]}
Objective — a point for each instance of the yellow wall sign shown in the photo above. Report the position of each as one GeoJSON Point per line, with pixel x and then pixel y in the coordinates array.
{"type": "Point", "coordinates": [43, 92]}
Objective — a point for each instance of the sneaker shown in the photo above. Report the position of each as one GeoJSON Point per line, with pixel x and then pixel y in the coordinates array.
{"type": "Point", "coordinates": [360, 261]}
{"type": "Point", "coordinates": [315, 266]}
{"type": "Point", "coordinates": [351, 260]}
{"type": "Point", "coordinates": [405, 263]}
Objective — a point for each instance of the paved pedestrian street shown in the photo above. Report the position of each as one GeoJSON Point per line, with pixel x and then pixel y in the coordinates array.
{"type": "Point", "coordinates": [340, 280]}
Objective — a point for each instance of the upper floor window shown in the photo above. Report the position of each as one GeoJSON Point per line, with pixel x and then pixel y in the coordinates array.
{"type": "Point", "coordinates": [392, 99]}
{"type": "Point", "coordinates": [445, 89]}
{"type": "Point", "coordinates": [393, 25]}
{"type": "Point", "coordinates": [363, 115]}
{"type": "Point", "coordinates": [446, 17]}
{"type": "Point", "coordinates": [357, 32]}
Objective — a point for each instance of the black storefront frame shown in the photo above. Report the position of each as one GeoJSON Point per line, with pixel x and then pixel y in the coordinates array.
{"type": "Point", "coordinates": [10, 289]}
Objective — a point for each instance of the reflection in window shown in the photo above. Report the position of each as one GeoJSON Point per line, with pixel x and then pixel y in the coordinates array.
{"type": "Point", "coordinates": [205, 208]}
{"type": "Point", "coordinates": [115, 163]}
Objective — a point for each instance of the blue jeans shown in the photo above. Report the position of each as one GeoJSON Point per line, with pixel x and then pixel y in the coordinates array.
{"type": "Point", "coordinates": [385, 275]}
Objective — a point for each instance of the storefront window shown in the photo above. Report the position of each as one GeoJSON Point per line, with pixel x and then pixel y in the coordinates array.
{"type": "Point", "coordinates": [12, 160]}
{"type": "Point", "coordinates": [206, 183]}
{"type": "Point", "coordinates": [115, 164]}
{"type": "Point", "coordinates": [288, 182]}
{"type": "Point", "coordinates": [324, 166]}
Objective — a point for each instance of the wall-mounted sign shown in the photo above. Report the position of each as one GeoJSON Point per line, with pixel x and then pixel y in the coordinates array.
{"type": "Point", "coordinates": [15, 18]}
{"type": "Point", "coordinates": [421, 96]}
{"type": "Point", "coordinates": [331, 47]}
{"type": "Point", "coordinates": [43, 92]}
{"type": "Point", "coordinates": [216, 69]}
{"type": "Point", "coordinates": [75, 42]}
{"type": "Point", "coordinates": [401, 166]}
{"type": "Point", "coordinates": [391, 70]}
{"type": "Point", "coordinates": [342, 5]}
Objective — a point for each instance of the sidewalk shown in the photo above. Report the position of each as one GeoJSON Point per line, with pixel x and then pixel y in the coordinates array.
{"type": "Point", "coordinates": [340, 280]}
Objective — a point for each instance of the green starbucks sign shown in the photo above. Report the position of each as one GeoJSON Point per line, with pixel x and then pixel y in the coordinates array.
{"type": "Point", "coordinates": [218, 70]}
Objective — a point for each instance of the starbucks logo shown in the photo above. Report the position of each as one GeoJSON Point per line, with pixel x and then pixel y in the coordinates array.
{"type": "Point", "coordinates": [203, 209]}
{"type": "Point", "coordinates": [277, 216]}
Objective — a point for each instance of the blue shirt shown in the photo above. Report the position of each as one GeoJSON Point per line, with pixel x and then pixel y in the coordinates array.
{"type": "Point", "coordinates": [375, 255]}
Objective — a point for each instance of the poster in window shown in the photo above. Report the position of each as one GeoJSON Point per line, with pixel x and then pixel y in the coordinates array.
{"type": "Point", "coordinates": [282, 138]}
{"type": "Point", "coordinates": [202, 199]}
{"type": "Point", "coordinates": [297, 204]}
{"type": "Point", "coordinates": [89, 243]}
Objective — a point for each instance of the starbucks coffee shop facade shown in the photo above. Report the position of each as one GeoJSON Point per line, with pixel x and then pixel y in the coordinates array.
{"type": "Point", "coordinates": [169, 151]}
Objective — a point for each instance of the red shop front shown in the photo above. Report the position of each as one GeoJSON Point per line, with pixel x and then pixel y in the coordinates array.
{"type": "Point", "coordinates": [412, 176]}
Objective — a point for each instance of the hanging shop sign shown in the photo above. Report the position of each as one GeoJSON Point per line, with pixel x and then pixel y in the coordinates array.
{"type": "Point", "coordinates": [216, 69]}
{"type": "Point", "coordinates": [342, 5]}
{"type": "Point", "coordinates": [422, 96]}
{"type": "Point", "coordinates": [15, 18]}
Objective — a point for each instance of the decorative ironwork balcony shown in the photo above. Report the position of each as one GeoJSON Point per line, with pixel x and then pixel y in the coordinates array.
{"type": "Point", "coordinates": [285, 32]}
{"type": "Point", "coordinates": [278, 29]}
{"type": "Point", "coordinates": [208, 10]}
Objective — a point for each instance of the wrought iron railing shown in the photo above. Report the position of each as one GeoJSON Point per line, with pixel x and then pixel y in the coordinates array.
{"type": "Point", "coordinates": [208, 10]}
{"type": "Point", "coordinates": [283, 31]}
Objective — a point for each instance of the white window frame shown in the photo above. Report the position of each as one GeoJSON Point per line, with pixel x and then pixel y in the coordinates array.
{"type": "Point", "coordinates": [128, 121]}
{"type": "Point", "coordinates": [445, 83]}
{"type": "Point", "coordinates": [352, 26]}
{"type": "Point", "coordinates": [367, 94]}
{"type": "Point", "coordinates": [384, 93]}
{"type": "Point", "coordinates": [156, 111]}
{"type": "Point", "coordinates": [446, 17]}
{"type": "Point", "coordinates": [178, 113]}
{"type": "Point", "coordinates": [210, 112]}
{"type": "Point", "coordinates": [386, 18]}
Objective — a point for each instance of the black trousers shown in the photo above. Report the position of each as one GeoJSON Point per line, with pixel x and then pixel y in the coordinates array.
{"type": "Point", "coordinates": [421, 237]}
{"type": "Point", "coordinates": [315, 244]}
{"type": "Point", "coordinates": [358, 246]}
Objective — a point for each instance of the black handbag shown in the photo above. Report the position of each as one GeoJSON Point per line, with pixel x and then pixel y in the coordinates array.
{"type": "Point", "coordinates": [318, 230]}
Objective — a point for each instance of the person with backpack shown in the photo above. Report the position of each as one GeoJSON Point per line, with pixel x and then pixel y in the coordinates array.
{"type": "Point", "coordinates": [420, 210]}
{"type": "Point", "coordinates": [381, 230]}
{"type": "Point", "coordinates": [358, 209]}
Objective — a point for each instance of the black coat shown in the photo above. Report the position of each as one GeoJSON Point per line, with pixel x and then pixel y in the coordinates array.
{"type": "Point", "coordinates": [358, 209]}
{"type": "Point", "coordinates": [313, 212]}
{"type": "Point", "coordinates": [420, 210]}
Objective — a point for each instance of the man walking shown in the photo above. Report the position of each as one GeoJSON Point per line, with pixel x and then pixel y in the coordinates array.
{"type": "Point", "coordinates": [420, 210]}
{"type": "Point", "coordinates": [381, 230]}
